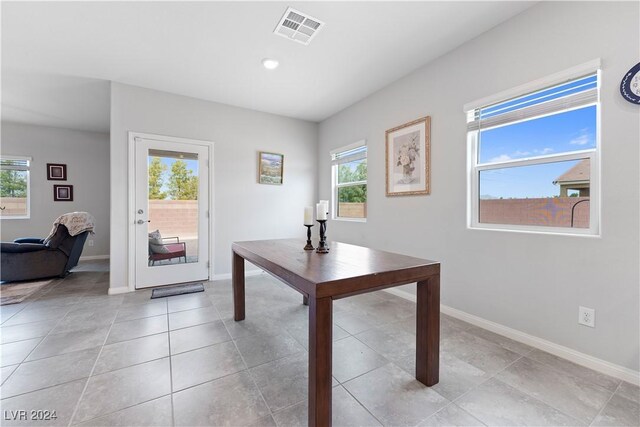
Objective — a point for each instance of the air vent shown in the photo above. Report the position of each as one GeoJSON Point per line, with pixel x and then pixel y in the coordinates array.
{"type": "Point", "coordinates": [298, 26]}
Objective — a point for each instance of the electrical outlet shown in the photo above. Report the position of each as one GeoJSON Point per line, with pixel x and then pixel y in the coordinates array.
{"type": "Point", "coordinates": [90, 242]}
{"type": "Point", "coordinates": [587, 316]}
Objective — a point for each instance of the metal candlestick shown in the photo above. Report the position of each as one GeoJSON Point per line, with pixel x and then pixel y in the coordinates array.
{"type": "Point", "coordinates": [309, 246]}
{"type": "Point", "coordinates": [322, 246]}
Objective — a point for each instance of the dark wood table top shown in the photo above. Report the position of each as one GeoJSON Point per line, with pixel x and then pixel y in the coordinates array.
{"type": "Point", "coordinates": [346, 270]}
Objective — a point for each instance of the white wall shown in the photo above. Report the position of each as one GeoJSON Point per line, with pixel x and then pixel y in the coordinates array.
{"type": "Point", "coordinates": [244, 209]}
{"type": "Point", "coordinates": [530, 282]}
{"type": "Point", "coordinates": [86, 155]}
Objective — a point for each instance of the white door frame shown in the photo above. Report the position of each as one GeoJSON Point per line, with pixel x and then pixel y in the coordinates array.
{"type": "Point", "coordinates": [131, 244]}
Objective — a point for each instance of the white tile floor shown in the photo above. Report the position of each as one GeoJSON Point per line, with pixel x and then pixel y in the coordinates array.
{"type": "Point", "coordinates": [127, 360]}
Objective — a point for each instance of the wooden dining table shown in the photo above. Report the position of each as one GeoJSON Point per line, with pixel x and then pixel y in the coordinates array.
{"type": "Point", "coordinates": [345, 271]}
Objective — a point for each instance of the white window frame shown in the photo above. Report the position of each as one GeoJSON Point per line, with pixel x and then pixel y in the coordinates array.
{"type": "Point", "coordinates": [334, 181]}
{"type": "Point", "coordinates": [474, 168]}
{"type": "Point", "coordinates": [28, 170]}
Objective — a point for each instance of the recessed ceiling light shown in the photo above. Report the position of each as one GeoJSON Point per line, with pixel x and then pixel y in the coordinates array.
{"type": "Point", "coordinates": [270, 64]}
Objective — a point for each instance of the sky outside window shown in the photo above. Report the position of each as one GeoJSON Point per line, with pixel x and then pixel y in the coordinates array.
{"type": "Point", "coordinates": [559, 133]}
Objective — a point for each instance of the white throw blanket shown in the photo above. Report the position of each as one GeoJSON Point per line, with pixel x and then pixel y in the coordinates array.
{"type": "Point", "coordinates": [76, 223]}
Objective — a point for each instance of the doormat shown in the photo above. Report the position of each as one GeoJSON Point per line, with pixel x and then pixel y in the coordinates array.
{"type": "Point", "coordinates": [16, 292]}
{"type": "Point", "coordinates": [170, 291]}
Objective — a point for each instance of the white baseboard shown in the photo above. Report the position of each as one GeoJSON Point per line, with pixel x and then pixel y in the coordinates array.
{"type": "Point", "coordinates": [227, 276]}
{"type": "Point", "coordinates": [93, 257]}
{"type": "Point", "coordinates": [567, 353]}
{"type": "Point", "coordinates": [119, 290]}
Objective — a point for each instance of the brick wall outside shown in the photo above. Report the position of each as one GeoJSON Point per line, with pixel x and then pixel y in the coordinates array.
{"type": "Point", "coordinates": [174, 218]}
{"type": "Point", "coordinates": [352, 210]}
{"type": "Point", "coordinates": [555, 212]}
{"type": "Point", "coordinates": [13, 205]}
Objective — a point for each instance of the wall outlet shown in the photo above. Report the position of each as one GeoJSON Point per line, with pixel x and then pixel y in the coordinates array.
{"type": "Point", "coordinates": [90, 242]}
{"type": "Point", "coordinates": [587, 316]}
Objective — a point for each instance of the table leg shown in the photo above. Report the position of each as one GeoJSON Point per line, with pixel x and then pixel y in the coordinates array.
{"type": "Point", "coordinates": [305, 300]}
{"type": "Point", "coordinates": [237, 278]}
{"type": "Point", "coordinates": [428, 331]}
{"type": "Point", "coordinates": [320, 353]}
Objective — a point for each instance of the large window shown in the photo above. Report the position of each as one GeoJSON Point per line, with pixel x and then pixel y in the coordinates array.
{"type": "Point", "coordinates": [349, 170]}
{"type": "Point", "coordinates": [14, 187]}
{"type": "Point", "coordinates": [534, 159]}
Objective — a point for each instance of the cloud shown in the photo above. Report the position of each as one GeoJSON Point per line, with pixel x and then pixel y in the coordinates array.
{"type": "Point", "coordinates": [581, 140]}
{"type": "Point", "coordinates": [520, 154]}
{"type": "Point", "coordinates": [545, 150]}
{"type": "Point", "coordinates": [500, 158]}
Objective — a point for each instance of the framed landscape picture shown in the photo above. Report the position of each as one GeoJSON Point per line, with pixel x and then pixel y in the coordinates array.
{"type": "Point", "coordinates": [408, 156]}
{"type": "Point", "coordinates": [56, 172]}
{"type": "Point", "coordinates": [63, 193]}
{"type": "Point", "coordinates": [270, 168]}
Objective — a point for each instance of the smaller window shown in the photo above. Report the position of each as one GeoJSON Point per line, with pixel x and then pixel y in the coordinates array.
{"type": "Point", "coordinates": [14, 187]}
{"type": "Point", "coordinates": [349, 177]}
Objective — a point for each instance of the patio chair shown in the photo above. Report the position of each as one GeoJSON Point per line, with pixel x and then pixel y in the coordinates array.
{"type": "Point", "coordinates": [169, 251]}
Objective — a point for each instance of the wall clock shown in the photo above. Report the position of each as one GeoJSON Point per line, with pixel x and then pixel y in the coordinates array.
{"type": "Point", "coordinates": [630, 85]}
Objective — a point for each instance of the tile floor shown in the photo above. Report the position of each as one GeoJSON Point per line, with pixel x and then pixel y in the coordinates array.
{"type": "Point", "coordinates": [127, 360]}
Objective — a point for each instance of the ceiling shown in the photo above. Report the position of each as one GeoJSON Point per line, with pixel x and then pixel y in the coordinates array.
{"type": "Point", "coordinates": [57, 58]}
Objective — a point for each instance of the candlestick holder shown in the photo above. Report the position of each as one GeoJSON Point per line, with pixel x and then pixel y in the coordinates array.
{"type": "Point", "coordinates": [309, 246]}
{"type": "Point", "coordinates": [322, 246]}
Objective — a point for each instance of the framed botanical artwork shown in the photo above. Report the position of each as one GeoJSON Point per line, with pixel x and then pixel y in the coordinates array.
{"type": "Point", "coordinates": [408, 156]}
{"type": "Point", "coordinates": [63, 193]}
{"type": "Point", "coordinates": [56, 172]}
{"type": "Point", "coordinates": [270, 168]}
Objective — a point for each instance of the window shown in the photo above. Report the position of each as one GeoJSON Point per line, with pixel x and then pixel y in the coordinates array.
{"type": "Point", "coordinates": [349, 177]}
{"type": "Point", "coordinates": [534, 158]}
{"type": "Point", "coordinates": [14, 187]}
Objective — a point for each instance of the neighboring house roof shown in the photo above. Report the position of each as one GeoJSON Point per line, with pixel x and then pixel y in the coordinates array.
{"type": "Point", "coordinates": [577, 174]}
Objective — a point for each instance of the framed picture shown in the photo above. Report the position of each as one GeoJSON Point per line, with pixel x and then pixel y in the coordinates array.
{"type": "Point", "coordinates": [63, 193]}
{"type": "Point", "coordinates": [270, 168]}
{"type": "Point", "coordinates": [56, 172]}
{"type": "Point", "coordinates": [408, 156]}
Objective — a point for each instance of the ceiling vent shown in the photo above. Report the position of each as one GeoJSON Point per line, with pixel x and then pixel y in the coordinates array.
{"type": "Point", "coordinates": [298, 26]}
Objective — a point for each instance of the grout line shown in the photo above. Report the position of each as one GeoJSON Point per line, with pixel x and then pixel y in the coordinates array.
{"type": "Point", "coordinates": [605, 404]}
{"type": "Point", "coordinates": [122, 409]}
{"type": "Point", "coordinates": [360, 403]}
{"type": "Point", "coordinates": [247, 367]}
{"type": "Point", "coordinates": [557, 369]}
{"type": "Point", "coordinates": [494, 376]}
{"type": "Point", "coordinates": [95, 363]}
{"type": "Point", "coordinates": [24, 360]}
{"type": "Point", "coordinates": [45, 388]}
{"type": "Point", "coordinates": [490, 377]}
{"type": "Point", "coordinates": [173, 416]}
{"type": "Point", "coordinates": [451, 403]}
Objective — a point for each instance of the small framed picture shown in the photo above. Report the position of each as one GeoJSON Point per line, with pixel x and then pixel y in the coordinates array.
{"type": "Point", "coordinates": [63, 193]}
{"type": "Point", "coordinates": [270, 168]}
{"type": "Point", "coordinates": [56, 172]}
{"type": "Point", "coordinates": [408, 155]}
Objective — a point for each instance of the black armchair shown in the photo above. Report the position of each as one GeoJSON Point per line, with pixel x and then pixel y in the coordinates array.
{"type": "Point", "coordinates": [29, 258]}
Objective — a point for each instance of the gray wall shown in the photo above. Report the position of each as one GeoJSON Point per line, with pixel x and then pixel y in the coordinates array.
{"type": "Point", "coordinates": [244, 209]}
{"type": "Point", "coordinates": [531, 282]}
{"type": "Point", "coordinates": [86, 155]}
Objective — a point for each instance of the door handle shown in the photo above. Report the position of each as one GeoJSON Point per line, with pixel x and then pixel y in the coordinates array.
{"type": "Point", "coordinates": [141, 221]}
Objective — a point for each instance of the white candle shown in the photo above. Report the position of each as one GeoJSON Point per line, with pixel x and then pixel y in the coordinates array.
{"type": "Point", "coordinates": [326, 205]}
{"type": "Point", "coordinates": [321, 211]}
{"type": "Point", "coordinates": [308, 215]}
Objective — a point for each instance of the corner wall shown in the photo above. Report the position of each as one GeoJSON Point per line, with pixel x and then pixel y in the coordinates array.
{"type": "Point", "coordinates": [533, 283]}
{"type": "Point", "coordinates": [86, 155]}
{"type": "Point", "coordinates": [244, 209]}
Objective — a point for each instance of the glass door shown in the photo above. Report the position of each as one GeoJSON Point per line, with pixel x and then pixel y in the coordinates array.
{"type": "Point", "coordinates": [171, 218]}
